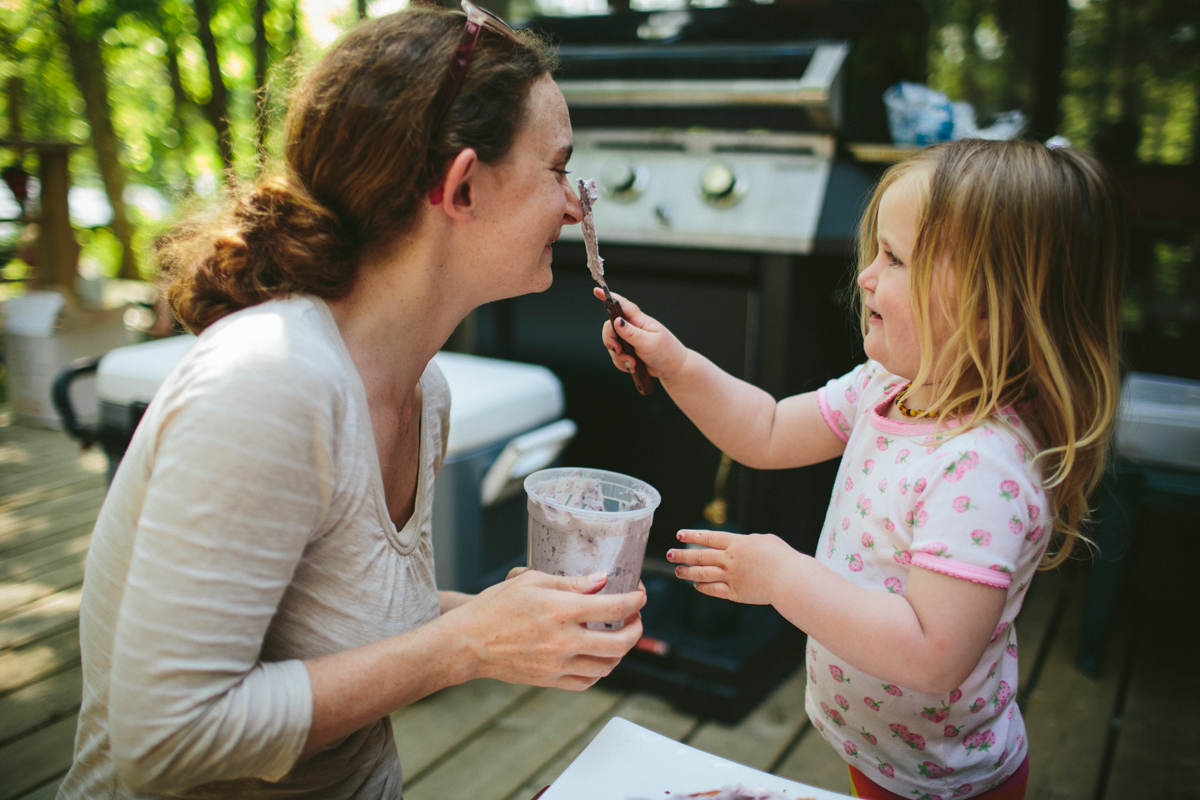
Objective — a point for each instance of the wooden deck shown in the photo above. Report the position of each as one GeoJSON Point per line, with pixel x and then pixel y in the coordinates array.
{"type": "Point", "coordinates": [1133, 733]}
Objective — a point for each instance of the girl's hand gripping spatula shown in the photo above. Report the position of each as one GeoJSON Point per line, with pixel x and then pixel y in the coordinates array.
{"type": "Point", "coordinates": [588, 195]}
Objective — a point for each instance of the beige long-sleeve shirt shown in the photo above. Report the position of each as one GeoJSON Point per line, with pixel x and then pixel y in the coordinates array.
{"type": "Point", "coordinates": [246, 530]}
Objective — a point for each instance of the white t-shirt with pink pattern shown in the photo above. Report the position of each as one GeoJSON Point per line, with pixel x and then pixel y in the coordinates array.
{"type": "Point", "coordinates": [969, 506]}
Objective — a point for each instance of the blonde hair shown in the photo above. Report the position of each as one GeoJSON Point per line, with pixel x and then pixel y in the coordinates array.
{"type": "Point", "coordinates": [1036, 240]}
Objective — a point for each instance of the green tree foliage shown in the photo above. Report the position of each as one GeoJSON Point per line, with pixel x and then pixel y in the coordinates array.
{"type": "Point", "coordinates": [1131, 75]}
{"type": "Point", "coordinates": [1132, 68]}
{"type": "Point", "coordinates": [158, 87]}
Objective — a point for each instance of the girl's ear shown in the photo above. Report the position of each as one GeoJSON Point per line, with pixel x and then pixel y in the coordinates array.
{"type": "Point", "coordinates": [457, 188]}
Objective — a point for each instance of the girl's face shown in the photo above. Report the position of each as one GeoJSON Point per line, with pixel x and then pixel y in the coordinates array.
{"type": "Point", "coordinates": [892, 338]}
{"type": "Point", "coordinates": [534, 198]}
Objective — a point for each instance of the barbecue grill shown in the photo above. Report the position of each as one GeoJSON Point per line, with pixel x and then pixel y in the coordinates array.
{"type": "Point", "coordinates": [727, 210]}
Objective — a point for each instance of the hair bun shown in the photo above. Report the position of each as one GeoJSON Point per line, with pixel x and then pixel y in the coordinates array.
{"type": "Point", "coordinates": [274, 239]}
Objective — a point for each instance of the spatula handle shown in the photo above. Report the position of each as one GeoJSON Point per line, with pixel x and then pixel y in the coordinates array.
{"type": "Point", "coordinates": [641, 377]}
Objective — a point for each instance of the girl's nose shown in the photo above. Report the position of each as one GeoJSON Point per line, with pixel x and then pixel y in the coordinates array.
{"type": "Point", "coordinates": [868, 277]}
{"type": "Point", "coordinates": [574, 212]}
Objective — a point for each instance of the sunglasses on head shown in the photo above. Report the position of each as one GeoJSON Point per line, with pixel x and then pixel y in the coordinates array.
{"type": "Point", "coordinates": [477, 19]}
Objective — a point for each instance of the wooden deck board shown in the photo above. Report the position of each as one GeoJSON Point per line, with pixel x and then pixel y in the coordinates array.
{"type": "Point", "coordinates": [55, 505]}
{"type": "Point", "coordinates": [813, 761]}
{"type": "Point", "coordinates": [9, 558]}
{"type": "Point", "coordinates": [494, 765]}
{"type": "Point", "coordinates": [431, 728]}
{"type": "Point", "coordinates": [38, 561]}
{"type": "Point", "coordinates": [29, 762]}
{"type": "Point", "coordinates": [40, 618]}
{"type": "Point", "coordinates": [650, 712]}
{"type": "Point", "coordinates": [1158, 753]}
{"type": "Point", "coordinates": [765, 734]}
{"type": "Point", "coordinates": [37, 485]}
{"type": "Point", "coordinates": [51, 526]}
{"type": "Point", "coordinates": [1043, 602]}
{"type": "Point", "coordinates": [48, 792]}
{"type": "Point", "coordinates": [39, 703]}
{"type": "Point", "coordinates": [62, 574]}
{"type": "Point", "coordinates": [24, 665]}
{"type": "Point", "coordinates": [1067, 714]}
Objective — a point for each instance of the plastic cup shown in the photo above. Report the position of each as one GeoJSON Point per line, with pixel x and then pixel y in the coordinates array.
{"type": "Point", "coordinates": [590, 520]}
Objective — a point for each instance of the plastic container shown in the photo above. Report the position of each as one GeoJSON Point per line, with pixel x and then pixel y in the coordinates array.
{"type": "Point", "coordinates": [1159, 421]}
{"type": "Point", "coordinates": [589, 520]}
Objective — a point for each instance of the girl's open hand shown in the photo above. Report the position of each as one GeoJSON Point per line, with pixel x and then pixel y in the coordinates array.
{"type": "Point", "coordinates": [656, 346]}
{"type": "Point", "coordinates": [733, 566]}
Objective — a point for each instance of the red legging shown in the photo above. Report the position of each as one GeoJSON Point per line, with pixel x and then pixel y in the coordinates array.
{"type": "Point", "coordinates": [1013, 787]}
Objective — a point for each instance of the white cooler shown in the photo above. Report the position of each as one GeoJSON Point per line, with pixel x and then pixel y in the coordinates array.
{"type": "Point", "coordinates": [1158, 422]}
{"type": "Point", "coordinates": [505, 423]}
{"type": "Point", "coordinates": [42, 335]}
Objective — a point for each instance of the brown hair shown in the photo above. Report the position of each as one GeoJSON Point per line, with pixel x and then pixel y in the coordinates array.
{"type": "Point", "coordinates": [355, 168]}
{"type": "Point", "coordinates": [1036, 239]}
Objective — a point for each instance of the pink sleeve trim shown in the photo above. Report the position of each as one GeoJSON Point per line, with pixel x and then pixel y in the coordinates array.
{"type": "Point", "coordinates": [827, 414]}
{"type": "Point", "coordinates": [956, 569]}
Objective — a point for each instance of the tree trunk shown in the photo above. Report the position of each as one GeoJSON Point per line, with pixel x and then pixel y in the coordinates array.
{"type": "Point", "coordinates": [15, 91]}
{"type": "Point", "coordinates": [217, 107]}
{"type": "Point", "coordinates": [1050, 51]}
{"type": "Point", "coordinates": [179, 97]}
{"type": "Point", "coordinates": [1037, 31]}
{"type": "Point", "coordinates": [88, 65]}
{"type": "Point", "coordinates": [260, 76]}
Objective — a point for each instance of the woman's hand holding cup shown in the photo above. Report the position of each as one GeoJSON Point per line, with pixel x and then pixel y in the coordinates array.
{"type": "Point", "coordinates": [532, 629]}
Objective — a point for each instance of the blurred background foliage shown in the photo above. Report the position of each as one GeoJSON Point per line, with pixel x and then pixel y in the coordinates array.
{"type": "Point", "coordinates": [164, 98]}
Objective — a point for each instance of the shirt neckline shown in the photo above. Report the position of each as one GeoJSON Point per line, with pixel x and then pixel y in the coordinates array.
{"type": "Point", "coordinates": [404, 538]}
{"type": "Point", "coordinates": [879, 420]}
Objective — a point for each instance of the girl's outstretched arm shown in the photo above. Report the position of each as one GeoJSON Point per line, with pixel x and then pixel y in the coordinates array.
{"type": "Point", "coordinates": [930, 638]}
{"type": "Point", "coordinates": [741, 419]}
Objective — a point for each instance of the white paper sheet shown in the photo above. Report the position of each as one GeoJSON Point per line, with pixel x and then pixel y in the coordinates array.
{"type": "Point", "coordinates": [626, 761]}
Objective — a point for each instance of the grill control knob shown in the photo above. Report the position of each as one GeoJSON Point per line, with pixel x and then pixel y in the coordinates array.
{"type": "Point", "coordinates": [618, 177]}
{"type": "Point", "coordinates": [720, 185]}
{"type": "Point", "coordinates": [623, 181]}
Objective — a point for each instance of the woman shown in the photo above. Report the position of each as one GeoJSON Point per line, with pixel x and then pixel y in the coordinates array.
{"type": "Point", "coordinates": [259, 593]}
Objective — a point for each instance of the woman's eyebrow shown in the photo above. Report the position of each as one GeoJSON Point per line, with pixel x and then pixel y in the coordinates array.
{"type": "Point", "coordinates": [564, 153]}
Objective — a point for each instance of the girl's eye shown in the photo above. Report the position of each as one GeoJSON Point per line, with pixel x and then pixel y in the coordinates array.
{"type": "Point", "coordinates": [892, 260]}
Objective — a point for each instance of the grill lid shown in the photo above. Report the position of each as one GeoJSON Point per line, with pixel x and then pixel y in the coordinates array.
{"type": "Point", "coordinates": [781, 67]}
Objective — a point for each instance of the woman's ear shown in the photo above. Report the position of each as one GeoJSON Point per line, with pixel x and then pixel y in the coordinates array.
{"type": "Point", "coordinates": [458, 194]}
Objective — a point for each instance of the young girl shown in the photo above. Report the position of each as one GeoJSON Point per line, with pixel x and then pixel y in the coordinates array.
{"type": "Point", "coordinates": [990, 277]}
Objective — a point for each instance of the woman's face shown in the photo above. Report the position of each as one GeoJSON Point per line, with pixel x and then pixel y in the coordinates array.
{"type": "Point", "coordinates": [533, 195]}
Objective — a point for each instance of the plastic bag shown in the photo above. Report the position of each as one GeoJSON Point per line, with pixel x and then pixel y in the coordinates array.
{"type": "Point", "coordinates": [918, 115]}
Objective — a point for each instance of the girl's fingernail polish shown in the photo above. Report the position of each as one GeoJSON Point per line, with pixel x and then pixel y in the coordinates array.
{"type": "Point", "coordinates": [621, 322]}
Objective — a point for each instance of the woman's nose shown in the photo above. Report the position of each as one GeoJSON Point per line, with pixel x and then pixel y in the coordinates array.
{"type": "Point", "coordinates": [574, 212]}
